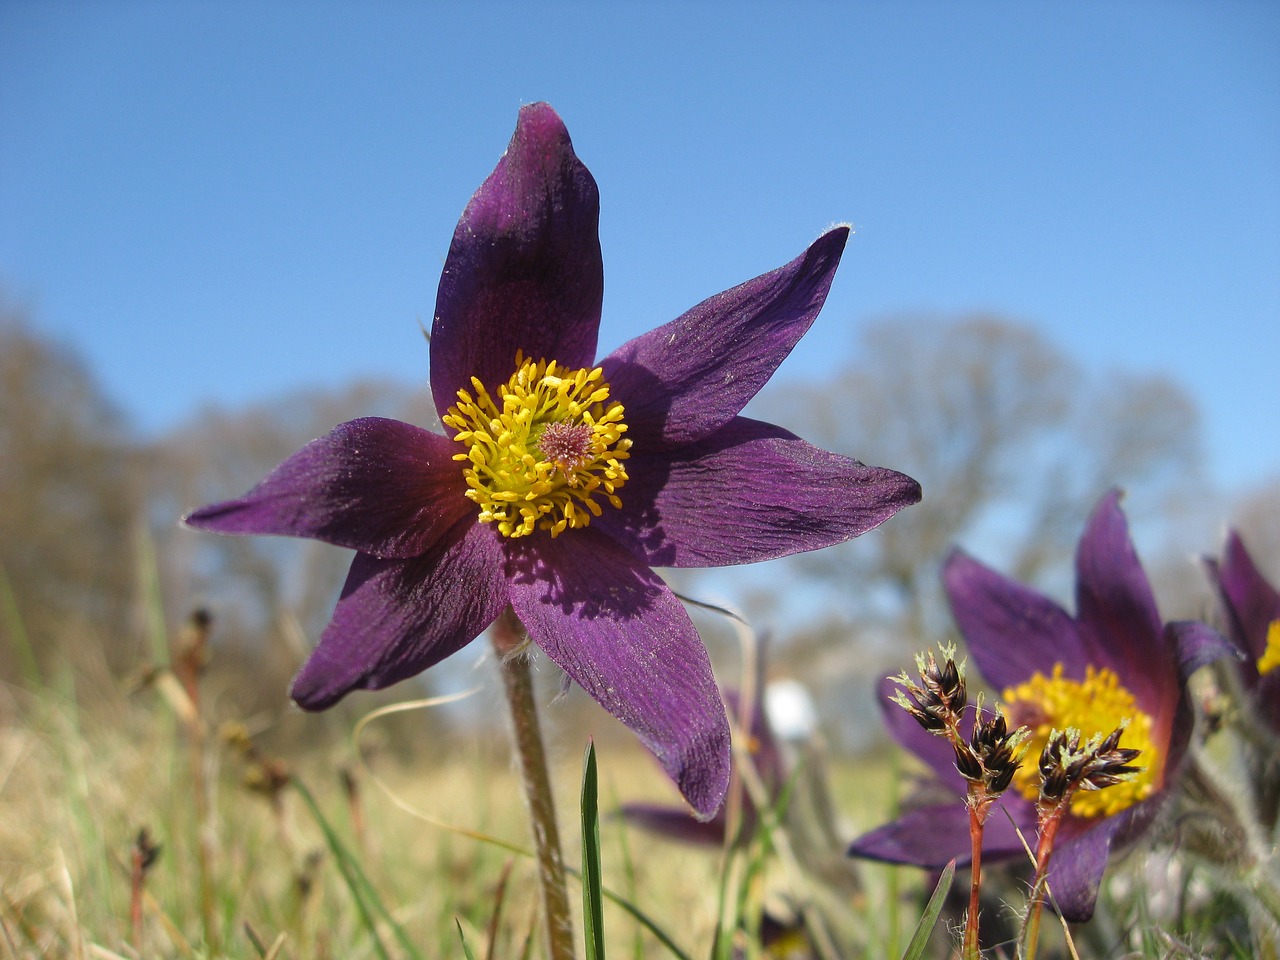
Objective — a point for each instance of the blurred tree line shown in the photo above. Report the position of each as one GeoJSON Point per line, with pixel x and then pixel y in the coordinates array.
{"type": "Point", "coordinates": [1013, 443]}
{"type": "Point", "coordinates": [1011, 440]}
{"type": "Point", "coordinates": [68, 499]}
{"type": "Point", "coordinates": [95, 571]}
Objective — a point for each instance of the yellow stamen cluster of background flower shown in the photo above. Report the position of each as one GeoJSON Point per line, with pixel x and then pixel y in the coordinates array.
{"type": "Point", "coordinates": [516, 486]}
{"type": "Point", "coordinates": [1097, 706]}
{"type": "Point", "coordinates": [1270, 658]}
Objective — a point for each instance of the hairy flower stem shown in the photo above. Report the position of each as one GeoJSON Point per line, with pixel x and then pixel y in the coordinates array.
{"type": "Point", "coordinates": [508, 637]}
{"type": "Point", "coordinates": [979, 808]}
{"type": "Point", "coordinates": [1050, 820]}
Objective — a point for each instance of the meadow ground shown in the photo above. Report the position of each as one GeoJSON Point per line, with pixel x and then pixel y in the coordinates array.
{"type": "Point", "coordinates": [139, 821]}
{"type": "Point", "coordinates": [244, 868]}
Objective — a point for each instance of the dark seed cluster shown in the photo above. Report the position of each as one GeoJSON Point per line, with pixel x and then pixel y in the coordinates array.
{"type": "Point", "coordinates": [1066, 765]}
{"type": "Point", "coordinates": [938, 700]}
{"type": "Point", "coordinates": [993, 753]}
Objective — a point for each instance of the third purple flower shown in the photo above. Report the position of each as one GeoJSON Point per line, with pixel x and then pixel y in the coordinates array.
{"type": "Point", "coordinates": [1252, 609]}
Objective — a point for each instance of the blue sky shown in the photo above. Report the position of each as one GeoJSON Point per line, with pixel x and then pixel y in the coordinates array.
{"type": "Point", "coordinates": [218, 202]}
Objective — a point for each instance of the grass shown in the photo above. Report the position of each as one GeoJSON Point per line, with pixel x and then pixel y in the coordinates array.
{"type": "Point", "coordinates": [383, 838]}
{"type": "Point", "coordinates": [288, 857]}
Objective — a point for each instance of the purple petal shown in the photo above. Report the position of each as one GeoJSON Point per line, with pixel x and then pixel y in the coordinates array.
{"type": "Point", "coordinates": [1252, 603]}
{"type": "Point", "coordinates": [750, 491]}
{"type": "Point", "coordinates": [1011, 630]}
{"type": "Point", "coordinates": [379, 486]}
{"type": "Point", "coordinates": [524, 270]}
{"type": "Point", "coordinates": [616, 629]}
{"type": "Point", "coordinates": [1116, 607]}
{"type": "Point", "coordinates": [1198, 645]}
{"type": "Point", "coordinates": [686, 378]}
{"type": "Point", "coordinates": [1075, 872]}
{"type": "Point", "coordinates": [396, 618]}
{"type": "Point", "coordinates": [934, 836]}
{"type": "Point", "coordinates": [1138, 819]}
{"type": "Point", "coordinates": [676, 823]}
{"type": "Point", "coordinates": [927, 837]}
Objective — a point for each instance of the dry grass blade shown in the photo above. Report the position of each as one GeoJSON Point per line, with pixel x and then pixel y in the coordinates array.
{"type": "Point", "coordinates": [499, 897]}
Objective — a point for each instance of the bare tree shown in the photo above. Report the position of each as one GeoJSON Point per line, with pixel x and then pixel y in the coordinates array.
{"type": "Point", "coordinates": [68, 502]}
{"type": "Point", "coordinates": [1012, 443]}
{"type": "Point", "coordinates": [1257, 518]}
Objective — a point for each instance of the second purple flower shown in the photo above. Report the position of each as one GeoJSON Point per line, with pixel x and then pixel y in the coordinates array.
{"type": "Point", "coordinates": [1113, 663]}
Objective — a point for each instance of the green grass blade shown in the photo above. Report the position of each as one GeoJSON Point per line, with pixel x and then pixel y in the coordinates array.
{"type": "Point", "coordinates": [466, 947]}
{"type": "Point", "coordinates": [640, 917]}
{"type": "Point", "coordinates": [362, 891]}
{"type": "Point", "coordinates": [648, 923]}
{"type": "Point", "coordinates": [16, 628]}
{"type": "Point", "coordinates": [629, 875]}
{"type": "Point", "coordinates": [920, 939]}
{"type": "Point", "coordinates": [592, 893]}
{"type": "Point", "coordinates": [152, 599]}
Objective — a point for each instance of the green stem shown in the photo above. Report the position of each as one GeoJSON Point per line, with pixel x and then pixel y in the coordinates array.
{"type": "Point", "coordinates": [508, 639]}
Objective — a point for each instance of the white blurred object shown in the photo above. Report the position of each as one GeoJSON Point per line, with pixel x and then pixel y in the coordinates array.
{"type": "Point", "coordinates": [790, 710]}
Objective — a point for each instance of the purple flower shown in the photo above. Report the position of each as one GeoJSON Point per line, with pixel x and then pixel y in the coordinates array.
{"type": "Point", "coordinates": [1252, 608]}
{"type": "Point", "coordinates": [560, 484]}
{"type": "Point", "coordinates": [1115, 660]}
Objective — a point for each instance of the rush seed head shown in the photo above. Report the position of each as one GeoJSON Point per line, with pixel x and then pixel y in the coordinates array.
{"type": "Point", "coordinates": [1095, 708]}
{"type": "Point", "coordinates": [938, 699]}
{"type": "Point", "coordinates": [1066, 765]}
{"type": "Point", "coordinates": [993, 753]}
{"type": "Point", "coordinates": [544, 451]}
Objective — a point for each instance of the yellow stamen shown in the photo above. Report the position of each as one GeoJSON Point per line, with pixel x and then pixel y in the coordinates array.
{"type": "Point", "coordinates": [1270, 658]}
{"type": "Point", "coordinates": [544, 450]}
{"type": "Point", "coordinates": [1097, 706]}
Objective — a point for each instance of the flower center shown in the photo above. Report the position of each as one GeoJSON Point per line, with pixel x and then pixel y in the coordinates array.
{"type": "Point", "coordinates": [543, 450]}
{"type": "Point", "coordinates": [1096, 706]}
{"type": "Point", "coordinates": [1270, 658]}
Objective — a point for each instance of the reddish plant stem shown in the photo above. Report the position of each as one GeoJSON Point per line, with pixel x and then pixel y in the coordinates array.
{"type": "Point", "coordinates": [508, 637]}
{"type": "Point", "coordinates": [979, 807]}
{"type": "Point", "coordinates": [142, 855]}
{"type": "Point", "coordinates": [1050, 820]}
{"type": "Point", "coordinates": [137, 881]}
